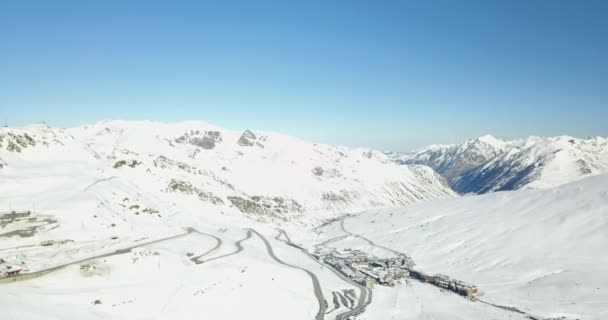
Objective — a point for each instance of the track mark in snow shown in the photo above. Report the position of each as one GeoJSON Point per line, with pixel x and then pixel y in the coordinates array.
{"type": "Point", "coordinates": [547, 275]}
{"type": "Point", "coordinates": [98, 181]}
{"type": "Point", "coordinates": [367, 240]}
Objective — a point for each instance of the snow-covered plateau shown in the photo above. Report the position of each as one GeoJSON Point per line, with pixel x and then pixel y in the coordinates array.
{"type": "Point", "coordinates": [147, 220]}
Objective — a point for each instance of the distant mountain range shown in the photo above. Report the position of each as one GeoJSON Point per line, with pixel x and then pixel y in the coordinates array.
{"type": "Point", "coordinates": [489, 164]}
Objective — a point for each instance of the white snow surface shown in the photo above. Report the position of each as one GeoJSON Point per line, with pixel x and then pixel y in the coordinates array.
{"type": "Point", "coordinates": [542, 251]}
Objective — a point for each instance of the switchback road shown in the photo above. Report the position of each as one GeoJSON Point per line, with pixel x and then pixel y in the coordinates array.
{"type": "Point", "coordinates": [315, 281]}
{"type": "Point", "coordinates": [364, 293]}
{"type": "Point", "coordinates": [238, 244]}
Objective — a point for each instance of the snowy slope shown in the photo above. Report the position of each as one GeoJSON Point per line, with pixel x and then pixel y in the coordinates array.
{"type": "Point", "coordinates": [165, 221]}
{"type": "Point", "coordinates": [488, 164]}
{"type": "Point", "coordinates": [541, 251]}
{"type": "Point", "coordinates": [265, 176]}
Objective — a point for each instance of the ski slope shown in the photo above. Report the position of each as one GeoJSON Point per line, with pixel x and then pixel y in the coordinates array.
{"type": "Point", "coordinates": [541, 251]}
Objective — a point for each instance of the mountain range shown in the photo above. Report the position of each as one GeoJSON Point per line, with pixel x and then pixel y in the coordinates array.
{"type": "Point", "coordinates": [487, 164]}
{"type": "Point", "coordinates": [262, 175]}
{"type": "Point", "coordinates": [149, 220]}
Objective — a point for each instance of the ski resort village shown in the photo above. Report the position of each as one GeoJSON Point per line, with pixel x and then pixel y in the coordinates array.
{"type": "Point", "coordinates": [370, 271]}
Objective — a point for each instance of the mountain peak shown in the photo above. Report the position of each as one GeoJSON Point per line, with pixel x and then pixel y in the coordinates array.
{"type": "Point", "coordinates": [490, 139]}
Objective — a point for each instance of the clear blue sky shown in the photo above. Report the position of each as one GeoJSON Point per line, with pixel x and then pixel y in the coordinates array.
{"type": "Point", "coordinates": [386, 74]}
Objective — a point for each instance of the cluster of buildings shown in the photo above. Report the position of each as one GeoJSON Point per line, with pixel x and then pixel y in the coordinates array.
{"type": "Point", "coordinates": [369, 270]}
{"type": "Point", "coordinates": [445, 282]}
{"type": "Point", "coordinates": [15, 215]}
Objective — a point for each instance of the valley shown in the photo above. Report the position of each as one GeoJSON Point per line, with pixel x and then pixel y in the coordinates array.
{"type": "Point", "coordinates": [123, 220]}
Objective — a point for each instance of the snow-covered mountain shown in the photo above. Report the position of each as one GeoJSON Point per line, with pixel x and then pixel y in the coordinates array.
{"type": "Point", "coordinates": [162, 221]}
{"type": "Point", "coordinates": [147, 202]}
{"type": "Point", "coordinates": [265, 176]}
{"type": "Point", "coordinates": [489, 164]}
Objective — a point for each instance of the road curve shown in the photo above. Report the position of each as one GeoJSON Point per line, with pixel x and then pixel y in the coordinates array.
{"type": "Point", "coordinates": [282, 232]}
{"type": "Point", "coordinates": [315, 281]}
{"type": "Point", "coordinates": [239, 248]}
{"type": "Point", "coordinates": [218, 244]}
{"type": "Point", "coordinates": [365, 294]}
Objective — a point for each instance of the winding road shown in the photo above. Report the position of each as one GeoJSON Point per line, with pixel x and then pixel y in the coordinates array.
{"type": "Point", "coordinates": [238, 244]}
{"type": "Point", "coordinates": [364, 298]}
{"type": "Point", "coordinates": [315, 281]}
{"type": "Point", "coordinates": [218, 244]}
{"type": "Point", "coordinates": [365, 294]}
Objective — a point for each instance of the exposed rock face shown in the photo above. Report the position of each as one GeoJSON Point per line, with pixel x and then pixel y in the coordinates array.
{"type": "Point", "coordinates": [164, 163]}
{"type": "Point", "coordinates": [208, 140]}
{"type": "Point", "coordinates": [104, 131]}
{"type": "Point", "coordinates": [187, 188]}
{"type": "Point", "coordinates": [505, 177]}
{"type": "Point", "coordinates": [247, 139]}
{"type": "Point", "coordinates": [317, 171]}
{"type": "Point", "coordinates": [343, 196]}
{"type": "Point", "coordinates": [130, 163]}
{"type": "Point", "coordinates": [267, 207]}
{"type": "Point", "coordinates": [16, 142]}
{"type": "Point", "coordinates": [328, 173]}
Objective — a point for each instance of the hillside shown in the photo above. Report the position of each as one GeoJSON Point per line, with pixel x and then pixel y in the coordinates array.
{"type": "Point", "coordinates": [260, 175]}
{"type": "Point", "coordinates": [162, 221]}
{"type": "Point", "coordinates": [536, 250]}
